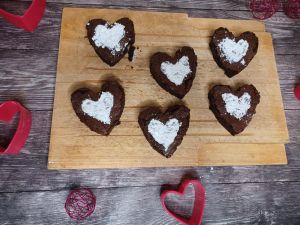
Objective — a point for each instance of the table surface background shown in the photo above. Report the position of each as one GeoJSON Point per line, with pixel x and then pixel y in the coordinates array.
{"type": "Point", "coordinates": [30, 194]}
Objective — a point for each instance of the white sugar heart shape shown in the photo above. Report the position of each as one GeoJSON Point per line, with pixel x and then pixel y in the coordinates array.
{"type": "Point", "coordinates": [164, 134]}
{"type": "Point", "coordinates": [100, 109]}
{"type": "Point", "coordinates": [109, 37]}
{"type": "Point", "coordinates": [233, 51]}
{"type": "Point", "coordinates": [235, 106]}
{"type": "Point", "coordinates": [177, 72]}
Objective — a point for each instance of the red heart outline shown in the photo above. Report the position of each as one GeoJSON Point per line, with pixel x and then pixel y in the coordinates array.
{"type": "Point", "coordinates": [199, 202]}
{"type": "Point", "coordinates": [7, 111]}
{"type": "Point", "coordinates": [31, 18]}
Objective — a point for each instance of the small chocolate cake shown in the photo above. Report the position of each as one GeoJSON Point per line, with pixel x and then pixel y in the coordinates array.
{"type": "Point", "coordinates": [100, 111]}
{"type": "Point", "coordinates": [165, 131]}
{"type": "Point", "coordinates": [233, 54]}
{"type": "Point", "coordinates": [233, 109]}
{"type": "Point", "coordinates": [111, 41]}
{"type": "Point", "coordinates": [175, 74]}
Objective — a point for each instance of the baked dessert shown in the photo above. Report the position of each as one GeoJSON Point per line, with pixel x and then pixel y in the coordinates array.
{"type": "Point", "coordinates": [165, 131]}
{"type": "Point", "coordinates": [175, 74]}
{"type": "Point", "coordinates": [111, 41]}
{"type": "Point", "coordinates": [233, 109]}
{"type": "Point", "coordinates": [233, 54]}
{"type": "Point", "coordinates": [100, 111]}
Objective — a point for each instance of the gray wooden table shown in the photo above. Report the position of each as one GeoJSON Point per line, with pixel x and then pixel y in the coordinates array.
{"type": "Point", "coordinates": [30, 194]}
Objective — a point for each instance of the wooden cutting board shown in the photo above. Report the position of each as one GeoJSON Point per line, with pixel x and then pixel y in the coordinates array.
{"type": "Point", "coordinates": [73, 145]}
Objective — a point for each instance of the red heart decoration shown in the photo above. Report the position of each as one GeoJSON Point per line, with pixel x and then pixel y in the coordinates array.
{"type": "Point", "coordinates": [7, 111]}
{"type": "Point", "coordinates": [31, 18]}
{"type": "Point", "coordinates": [297, 92]}
{"type": "Point", "coordinates": [199, 202]}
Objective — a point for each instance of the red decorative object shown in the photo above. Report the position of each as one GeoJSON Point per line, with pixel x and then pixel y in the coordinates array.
{"type": "Point", "coordinates": [199, 202]}
{"type": "Point", "coordinates": [263, 9]}
{"type": "Point", "coordinates": [80, 203]}
{"type": "Point", "coordinates": [292, 9]}
{"type": "Point", "coordinates": [297, 92]}
{"type": "Point", "coordinates": [7, 112]}
{"type": "Point", "coordinates": [31, 18]}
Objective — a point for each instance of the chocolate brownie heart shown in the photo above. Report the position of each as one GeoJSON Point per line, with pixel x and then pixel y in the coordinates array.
{"type": "Point", "coordinates": [165, 131]}
{"type": "Point", "coordinates": [111, 41]}
{"type": "Point", "coordinates": [100, 111]}
{"type": "Point", "coordinates": [233, 109]}
{"type": "Point", "coordinates": [233, 54]}
{"type": "Point", "coordinates": [175, 74]}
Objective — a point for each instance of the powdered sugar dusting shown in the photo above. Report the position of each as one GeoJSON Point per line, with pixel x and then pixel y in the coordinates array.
{"type": "Point", "coordinates": [232, 51]}
{"type": "Point", "coordinates": [164, 134]}
{"type": "Point", "coordinates": [100, 109]}
{"type": "Point", "coordinates": [235, 106]}
{"type": "Point", "coordinates": [109, 37]}
{"type": "Point", "coordinates": [177, 72]}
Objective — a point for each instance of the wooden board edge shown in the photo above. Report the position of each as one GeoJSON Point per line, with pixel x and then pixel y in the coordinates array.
{"type": "Point", "coordinates": [258, 25]}
{"type": "Point", "coordinates": [286, 131]}
{"type": "Point", "coordinates": [250, 154]}
{"type": "Point", "coordinates": [125, 11]}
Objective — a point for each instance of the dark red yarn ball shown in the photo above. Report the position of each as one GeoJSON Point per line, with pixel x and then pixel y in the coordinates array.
{"type": "Point", "coordinates": [263, 9]}
{"type": "Point", "coordinates": [80, 203]}
{"type": "Point", "coordinates": [292, 8]}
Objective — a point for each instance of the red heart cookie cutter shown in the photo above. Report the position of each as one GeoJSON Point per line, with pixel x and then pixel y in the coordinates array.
{"type": "Point", "coordinates": [7, 111]}
{"type": "Point", "coordinates": [31, 18]}
{"type": "Point", "coordinates": [199, 202]}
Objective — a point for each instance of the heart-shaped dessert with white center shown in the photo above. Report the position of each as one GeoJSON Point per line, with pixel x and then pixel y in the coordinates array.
{"type": "Point", "coordinates": [111, 41]}
{"type": "Point", "coordinates": [233, 109]}
{"type": "Point", "coordinates": [175, 74]}
{"type": "Point", "coordinates": [233, 54]}
{"type": "Point", "coordinates": [100, 111]}
{"type": "Point", "coordinates": [165, 131]}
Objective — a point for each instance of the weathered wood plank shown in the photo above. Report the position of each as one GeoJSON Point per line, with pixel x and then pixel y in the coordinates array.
{"type": "Point", "coordinates": [187, 4]}
{"type": "Point", "coordinates": [46, 36]}
{"type": "Point", "coordinates": [258, 203]}
{"type": "Point", "coordinates": [28, 172]}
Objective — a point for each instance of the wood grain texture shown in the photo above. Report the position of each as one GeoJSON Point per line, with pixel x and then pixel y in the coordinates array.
{"type": "Point", "coordinates": [186, 4]}
{"type": "Point", "coordinates": [225, 204]}
{"type": "Point", "coordinates": [20, 173]}
{"type": "Point", "coordinates": [47, 34]}
{"type": "Point", "coordinates": [32, 81]}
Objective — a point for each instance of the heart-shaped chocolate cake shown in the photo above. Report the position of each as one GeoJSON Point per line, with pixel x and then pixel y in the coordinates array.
{"type": "Point", "coordinates": [175, 74]}
{"type": "Point", "coordinates": [233, 54]}
{"type": "Point", "coordinates": [111, 41]}
{"type": "Point", "coordinates": [165, 131]}
{"type": "Point", "coordinates": [233, 109]}
{"type": "Point", "coordinates": [100, 111]}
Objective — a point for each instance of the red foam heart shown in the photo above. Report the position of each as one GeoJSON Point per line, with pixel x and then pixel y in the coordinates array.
{"type": "Point", "coordinates": [31, 18]}
{"type": "Point", "coordinates": [297, 92]}
{"type": "Point", "coordinates": [199, 202]}
{"type": "Point", "coordinates": [7, 111]}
